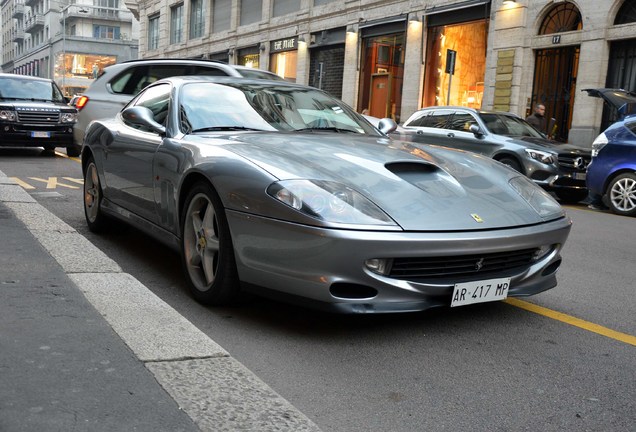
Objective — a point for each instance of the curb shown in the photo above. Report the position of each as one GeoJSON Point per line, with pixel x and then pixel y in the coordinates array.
{"type": "Point", "coordinates": [216, 391]}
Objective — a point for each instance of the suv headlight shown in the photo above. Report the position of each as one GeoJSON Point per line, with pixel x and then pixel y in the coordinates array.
{"type": "Point", "coordinates": [541, 156]}
{"type": "Point", "coordinates": [7, 115]}
{"type": "Point", "coordinates": [69, 117]}
{"type": "Point", "coordinates": [599, 143]}
{"type": "Point", "coordinates": [541, 201]}
{"type": "Point", "coordinates": [329, 201]}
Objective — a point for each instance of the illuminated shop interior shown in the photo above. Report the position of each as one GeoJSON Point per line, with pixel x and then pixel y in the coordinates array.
{"type": "Point", "coordinates": [283, 64]}
{"type": "Point", "coordinates": [77, 71]}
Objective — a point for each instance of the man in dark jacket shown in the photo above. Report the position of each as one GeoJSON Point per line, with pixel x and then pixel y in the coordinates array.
{"type": "Point", "coordinates": [537, 119]}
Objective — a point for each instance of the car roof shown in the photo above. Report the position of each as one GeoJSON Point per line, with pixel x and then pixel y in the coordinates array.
{"type": "Point", "coordinates": [29, 77]}
{"type": "Point", "coordinates": [466, 109]}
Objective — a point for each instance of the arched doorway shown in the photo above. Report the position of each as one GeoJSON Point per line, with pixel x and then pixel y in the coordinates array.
{"type": "Point", "coordinates": [556, 69]}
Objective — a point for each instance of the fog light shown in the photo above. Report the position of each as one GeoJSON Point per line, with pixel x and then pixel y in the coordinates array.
{"type": "Point", "coordinates": [379, 265]}
{"type": "Point", "coordinates": [6, 128]}
{"type": "Point", "coordinates": [541, 252]}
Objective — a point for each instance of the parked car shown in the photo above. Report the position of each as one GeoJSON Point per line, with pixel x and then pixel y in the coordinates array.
{"type": "Point", "coordinates": [34, 113]}
{"type": "Point", "coordinates": [612, 173]}
{"type": "Point", "coordinates": [285, 191]}
{"type": "Point", "coordinates": [119, 83]}
{"type": "Point", "coordinates": [509, 139]}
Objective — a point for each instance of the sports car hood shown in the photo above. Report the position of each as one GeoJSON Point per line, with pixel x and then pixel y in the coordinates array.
{"type": "Point", "coordinates": [423, 188]}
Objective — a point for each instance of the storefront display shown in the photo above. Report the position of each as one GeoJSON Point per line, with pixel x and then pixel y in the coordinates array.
{"type": "Point", "coordinates": [284, 57]}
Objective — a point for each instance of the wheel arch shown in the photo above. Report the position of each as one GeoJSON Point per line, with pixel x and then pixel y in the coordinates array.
{"type": "Point", "coordinates": [510, 155]}
{"type": "Point", "coordinates": [188, 182]}
{"type": "Point", "coordinates": [611, 177]}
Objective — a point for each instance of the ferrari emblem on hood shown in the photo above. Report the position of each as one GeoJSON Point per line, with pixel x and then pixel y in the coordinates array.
{"type": "Point", "coordinates": [477, 218]}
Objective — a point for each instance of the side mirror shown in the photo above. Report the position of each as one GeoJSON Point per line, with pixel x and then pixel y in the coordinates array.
{"type": "Point", "coordinates": [387, 125]}
{"type": "Point", "coordinates": [142, 116]}
{"type": "Point", "coordinates": [476, 130]}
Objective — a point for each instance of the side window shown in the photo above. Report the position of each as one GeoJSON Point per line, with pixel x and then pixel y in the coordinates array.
{"type": "Point", "coordinates": [209, 71]}
{"type": "Point", "coordinates": [631, 126]}
{"type": "Point", "coordinates": [157, 100]}
{"type": "Point", "coordinates": [157, 72]}
{"type": "Point", "coordinates": [126, 82]}
{"type": "Point", "coordinates": [462, 122]}
{"type": "Point", "coordinates": [420, 121]}
{"type": "Point", "coordinates": [439, 119]}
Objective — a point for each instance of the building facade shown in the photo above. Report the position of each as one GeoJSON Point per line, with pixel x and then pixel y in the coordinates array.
{"type": "Point", "coordinates": [70, 42]}
{"type": "Point", "coordinates": [392, 57]}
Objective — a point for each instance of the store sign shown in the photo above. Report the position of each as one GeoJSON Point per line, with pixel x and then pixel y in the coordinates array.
{"type": "Point", "coordinates": [284, 45]}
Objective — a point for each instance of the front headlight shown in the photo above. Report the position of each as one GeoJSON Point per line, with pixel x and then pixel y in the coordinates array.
{"type": "Point", "coordinates": [69, 117]}
{"type": "Point", "coordinates": [7, 115]}
{"type": "Point", "coordinates": [541, 201]}
{"type": "Point", "coordinates": [600, 142]}
{"type": "Point", "coordinates": [329, 201]}
{"type": "Point", "coordinates": [541, 156]}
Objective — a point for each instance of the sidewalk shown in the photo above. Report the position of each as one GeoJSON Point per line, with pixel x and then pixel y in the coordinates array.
{"type": "Point", "coordinates": [85, 347]}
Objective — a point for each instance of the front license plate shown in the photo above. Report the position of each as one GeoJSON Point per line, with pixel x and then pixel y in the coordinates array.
{"type": "Point", "coordinates": [480, 291]}
{"type": "Point", "coordinates": [40, 134]}
{"type": "Point", "coordinates": [579, 176]}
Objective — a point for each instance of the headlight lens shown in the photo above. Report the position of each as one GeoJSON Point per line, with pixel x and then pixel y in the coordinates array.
{"type": "Point", "coordinates": [546, 206]}
{"type": "Point", "coordinates": [541, 156]}
{"type": "Point", "coordinates": [598, 144]}
{"type": "Point", "coordinates": [69, 117]}
{"type": "Point", "coordinates": [7, 115]}
{"type": "Point", "coordinates": [329, 201]}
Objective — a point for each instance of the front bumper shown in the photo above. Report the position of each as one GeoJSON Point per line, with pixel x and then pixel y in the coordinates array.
{"type": "Point", "coordinates": [307, 262]}
{"type": "Point", "coordinates": [12, 135]}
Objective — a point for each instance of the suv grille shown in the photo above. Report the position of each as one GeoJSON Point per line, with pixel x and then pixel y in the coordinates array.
{"type": "Point", "coordinates": [39, 116]}
{"type": "Point", "coordinates": [574, 162]}
{"type": "Point", "coordinates": [463, 265]}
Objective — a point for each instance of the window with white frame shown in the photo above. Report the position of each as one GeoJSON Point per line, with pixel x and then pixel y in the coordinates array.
{"type": "Point", "coordinates": [106, 32]}
{"type": "Point", "coordinates": [197, 18]}
{"type": "Point", "coordinates": [176, 23]}
{"type": "Point", "coordinates": [153, 32]}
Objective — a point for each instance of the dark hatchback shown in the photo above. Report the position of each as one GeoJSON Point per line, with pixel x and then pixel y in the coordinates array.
{"type": "Point", "coordinates": [509, 139]}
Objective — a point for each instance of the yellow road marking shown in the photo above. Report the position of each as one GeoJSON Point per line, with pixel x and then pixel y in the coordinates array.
{"type": "Point", "coordinates": [24, 185]}
{"type": "Point", "coordinates": [64, 155]}
{"type": "Point", "coordinates": [577, 322]}
{"type": "Point", "coordinates": [74, 180]}
{"type": "Point", "coordinates": [52, 183]}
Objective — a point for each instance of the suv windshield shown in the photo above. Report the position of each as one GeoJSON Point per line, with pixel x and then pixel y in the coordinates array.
{"type": "Point", "coordinates": [509, 125]}
{"type": "Point", "coordinates": [28, 89]}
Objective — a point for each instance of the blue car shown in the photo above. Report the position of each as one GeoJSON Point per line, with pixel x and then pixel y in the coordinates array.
{"type": "Point", "coordinates": [612, 173]}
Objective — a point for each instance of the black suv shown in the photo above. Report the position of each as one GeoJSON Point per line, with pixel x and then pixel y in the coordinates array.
{"type": "Point", "coordinates": [34, 113]}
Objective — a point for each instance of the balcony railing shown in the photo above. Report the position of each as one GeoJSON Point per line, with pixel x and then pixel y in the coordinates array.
{"type": "Point", "coordinates": [34, 23]}
{"type": "Point", "coordinates": [17, 35]}
{"type": "Point", "coordinates": [102, 13]}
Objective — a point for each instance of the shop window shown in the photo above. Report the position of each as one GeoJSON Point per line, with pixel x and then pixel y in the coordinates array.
{"type": "Point", "coordinates": [382, 75]}
{"type": "Point", "coordinates": [249, 58]}
{"type": "Point", "coordinates": [466, 86]}
{"type": "Point", "coordinates": [283, 64]}
{"type": "Point", "coordinates": [561, 18]}
{"type": "Point", "coordinates": [627, 13]}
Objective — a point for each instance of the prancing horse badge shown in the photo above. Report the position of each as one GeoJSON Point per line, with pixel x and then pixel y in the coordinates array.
{"type": "Point", "coordinates": [477, 218]}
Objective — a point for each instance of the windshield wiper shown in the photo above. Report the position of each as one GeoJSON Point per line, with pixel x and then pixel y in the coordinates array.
{"type": "Point", "coordinates": [225, 128]}
{"type": "Point", "coordinates": [333, 129]}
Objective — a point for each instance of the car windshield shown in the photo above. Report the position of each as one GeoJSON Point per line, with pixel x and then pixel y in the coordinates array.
{"type": "Point", "coordinates": [509, 125]}
{"type": "Point", "coordinates": [251, 106]}
{"type": "Point", "coordinates": [28, 89]}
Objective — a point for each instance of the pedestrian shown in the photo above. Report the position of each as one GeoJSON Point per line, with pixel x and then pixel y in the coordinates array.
{"type": "Point", "coordinates": [537, 119]}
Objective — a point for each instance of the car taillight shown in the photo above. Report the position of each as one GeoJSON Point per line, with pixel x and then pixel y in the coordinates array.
{"type": "Point", "coordinates": [81, 102]}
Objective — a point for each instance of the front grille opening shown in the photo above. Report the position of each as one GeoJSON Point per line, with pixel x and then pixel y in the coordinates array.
{"type": "Point", "coordinates": [462, 265]}
{"type": "Point", "coordinates": [552, 268]}
{"type": "Point", "coordinates": [352, 291]}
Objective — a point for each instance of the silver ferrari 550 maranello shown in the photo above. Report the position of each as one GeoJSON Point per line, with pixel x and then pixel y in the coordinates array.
{"type": "Point", "coordinates": [280, 189]}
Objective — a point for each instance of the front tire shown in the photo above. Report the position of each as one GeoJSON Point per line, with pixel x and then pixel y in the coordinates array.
{"type": "Point", "coordinates": [621, 195]}
{"type": "Point", "coordinates": [207, 252]}
{"type": "Point", "coordinates": [512, 163]}
{"type": "Point", "coordinates": [93, 196]}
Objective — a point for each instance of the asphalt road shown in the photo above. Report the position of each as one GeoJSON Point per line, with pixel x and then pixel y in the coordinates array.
{"type": "Point", "coordinates": [489, 367]}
